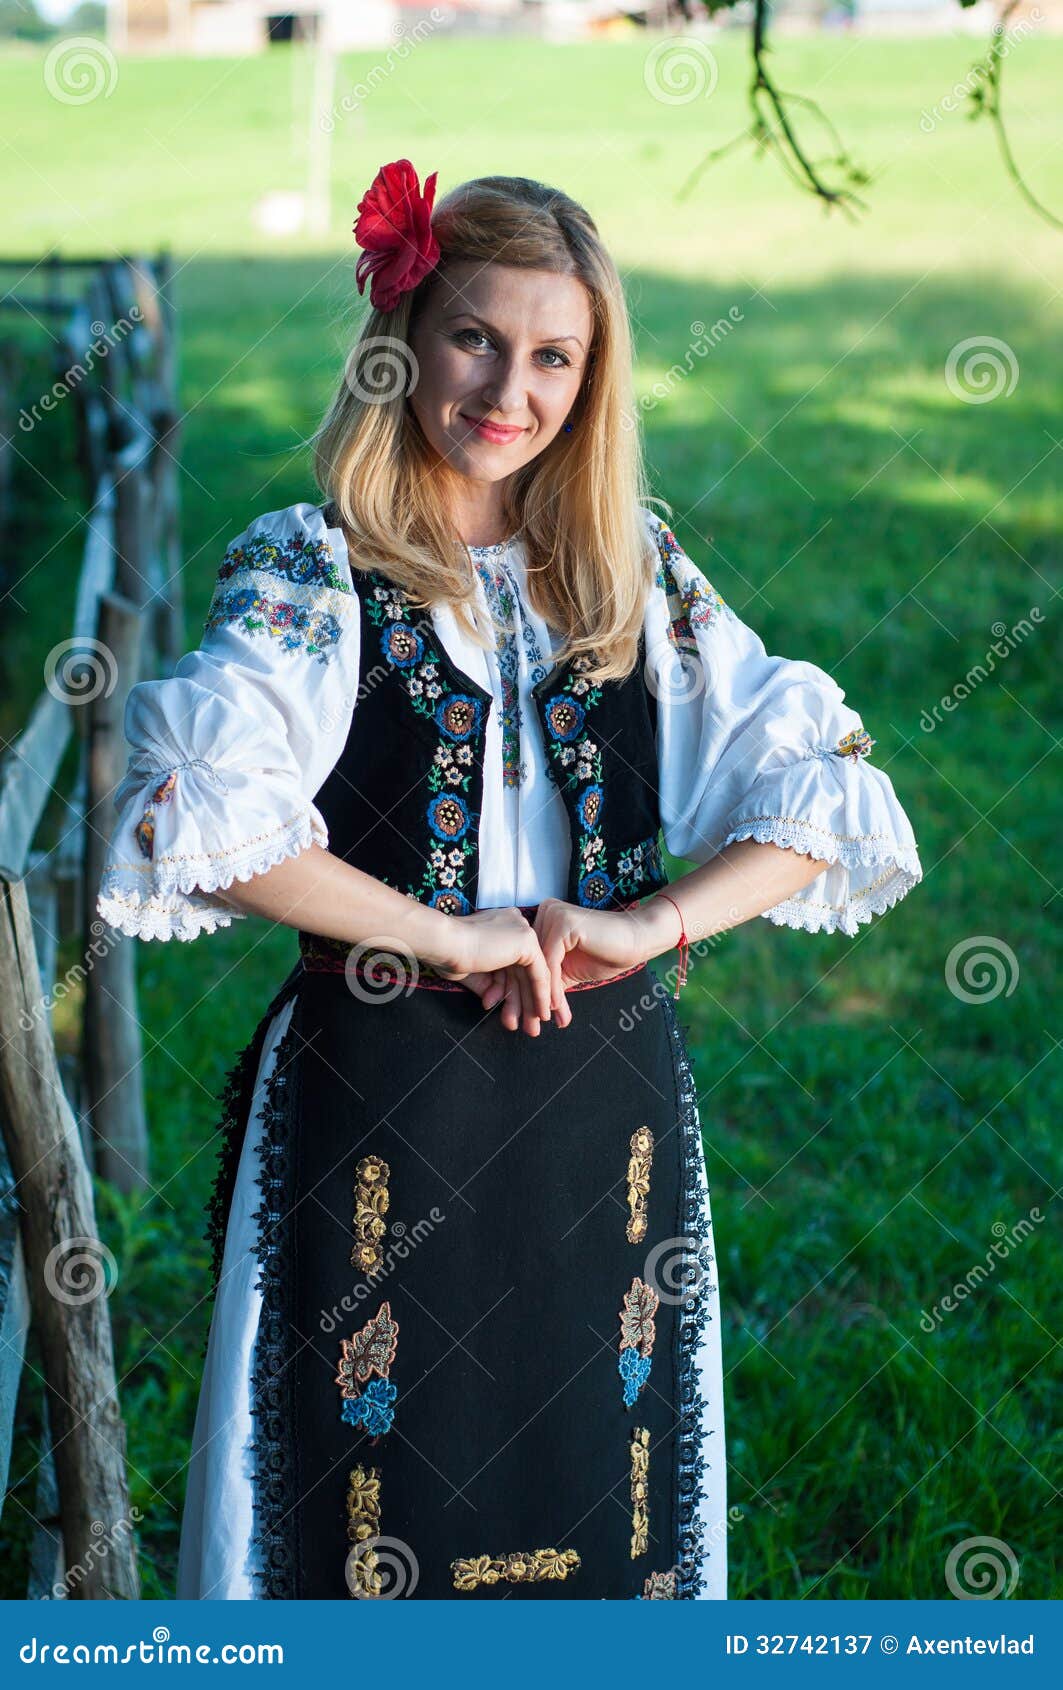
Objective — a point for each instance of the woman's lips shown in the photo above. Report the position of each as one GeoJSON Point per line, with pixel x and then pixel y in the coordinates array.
{"type": "Point", "coordinates": [491, 431]}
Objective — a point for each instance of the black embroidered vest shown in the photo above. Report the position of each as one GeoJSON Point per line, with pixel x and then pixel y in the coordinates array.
{"type": "Point", "coordinates": [404, 798]}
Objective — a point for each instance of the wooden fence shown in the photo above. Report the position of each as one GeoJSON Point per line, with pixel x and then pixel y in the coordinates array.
{"type": "Point", "coordinates": [62, 1119]}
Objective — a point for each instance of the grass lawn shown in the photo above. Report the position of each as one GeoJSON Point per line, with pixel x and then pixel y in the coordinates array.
{"type": "Point", "coordinates": [870, 1134]}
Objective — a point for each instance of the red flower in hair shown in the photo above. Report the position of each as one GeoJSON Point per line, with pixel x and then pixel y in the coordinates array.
{"type": "Point", "coordinates": [395, 227]}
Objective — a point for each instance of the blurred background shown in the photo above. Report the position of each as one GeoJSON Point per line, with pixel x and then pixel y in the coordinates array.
{"type": "Point", "coordinates": [849, 374]}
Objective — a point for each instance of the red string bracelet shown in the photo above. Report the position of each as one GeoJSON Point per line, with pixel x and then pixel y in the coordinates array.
{"type": "Point", "coordinates": [684, 946]}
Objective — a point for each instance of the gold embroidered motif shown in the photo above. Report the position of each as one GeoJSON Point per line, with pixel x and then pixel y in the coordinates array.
{"type": "Point", "coordinates": [637, 1333]}
{"type": "Point", "coordinates": [372, 1350]}
{"type": "Point", "coordinates": [638, 1183]}
{"type": "Point", "coordinates": [371, 1199]}
{"type": "Point", "coordinates": [640, 1493]}
{"type": "Point", "coordinates": [363, 1528]}
{"type": "Point", "coordinates": [517, 1568]}
{"type": "Point", "coordinates": [660, 1586]}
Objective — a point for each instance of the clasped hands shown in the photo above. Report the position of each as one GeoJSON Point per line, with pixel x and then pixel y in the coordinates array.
{"type": "Point", "coordinates": [526, 967]}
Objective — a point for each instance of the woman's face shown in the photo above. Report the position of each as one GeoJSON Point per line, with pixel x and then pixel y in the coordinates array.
{"type": "Point", "coordinates": [498, 345]}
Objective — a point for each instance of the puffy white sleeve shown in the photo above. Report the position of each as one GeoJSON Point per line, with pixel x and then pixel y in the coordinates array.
{"type": "Point", "coordinates": [752, 746]}
{"type": "Point", "coordinates": [228, 751]}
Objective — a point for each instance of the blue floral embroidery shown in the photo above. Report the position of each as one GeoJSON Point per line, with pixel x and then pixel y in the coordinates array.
{"type": "Point", "coordinates": [297, 626]}
{"type": "Point", "coordinates": [448, 817]}
{"type": "Point", "coordinates": [459, 717]}
{"type": "Point", "coordinates": [637, 1336]}
{"type": "Point", "coordinates": [305, 618]}
{"type": "Point", "coordinates": [641, 867]}
{"type": "Point", "coordinates": [634, 1371]}
{"type": "Point", "coordinates": [374, 1408]}
{"type": "Point", "coordinates": [304, 561]}
{"type": "Point", "coordinates": [696, 604]}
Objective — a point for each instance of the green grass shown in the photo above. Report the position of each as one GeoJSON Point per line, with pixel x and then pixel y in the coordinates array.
{"type": "Point", "coordinates": [865, 1129]}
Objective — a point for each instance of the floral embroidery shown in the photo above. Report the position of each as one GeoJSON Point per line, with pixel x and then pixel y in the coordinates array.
{"type": "Point", "coordinates": [638, 867]}
{"type": "Point", "coordinates": [460, 719]}
{"type": "Point", "coordinates": [371, 1199]}
{"type": "Point", "coordinates": [363, 1528]}
{"type": "Point", "coordinates": [374, 1408]}
{"type": "Point", "coordinates": [498, 585]}
{"type": "Point", "coordinates": [856, 744]}
{"type": "Point", "coordinates": [303, 561]}
{"type": "Point", "coordinates": [637, 1333]}
{"type": "Point", "coordinates": [660, 1586]}
{"type": "Point", "coordinates": [517, 1568]}
{"type": "Point", "coordinates": [297, 626]}
{"type": "Point", "coordinates": [145, 828]}
{"type": "Point", "coordinates": [695, 604]}
{"type": "Point", "coordinates": [638, 1183]}
{"type": "Point", "coordinates": [372, 1350]}
{"type": "Point", "coordinates": [640, 1495]}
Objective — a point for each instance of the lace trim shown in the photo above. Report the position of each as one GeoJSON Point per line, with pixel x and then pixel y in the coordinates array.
{"type": "Point", "coordinates": [273, 1479]}
{"type": "Point", "coordinates": [693, 1316]}
{"type": "Point", "coordinates": [903, 870]}
{"type": "Point", "coordinates": [860, 850]}
{"type": "Point", "coordinates": [147, 917]}
{"type": "Point", "coordinates": [134, 918]}
{"type": "Point", "coordinates": [236, 1097]}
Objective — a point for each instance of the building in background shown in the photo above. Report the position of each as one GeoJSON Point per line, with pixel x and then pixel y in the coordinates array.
{"type": "Point", "coordinates": [239, 27]}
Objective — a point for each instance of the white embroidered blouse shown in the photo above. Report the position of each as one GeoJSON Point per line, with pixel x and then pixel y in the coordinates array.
{"type": "Point", "coordinates": [229, 751]}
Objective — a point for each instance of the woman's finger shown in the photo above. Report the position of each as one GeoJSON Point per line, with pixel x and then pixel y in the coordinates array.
{"type": "Point", "coordinates": [511, 1002]}
{"type": "Point", "coordinates": [528, 995]}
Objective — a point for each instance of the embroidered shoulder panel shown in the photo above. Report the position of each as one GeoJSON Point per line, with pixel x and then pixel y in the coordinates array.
{"type": "Point", "coordinates": [694, 604]}
{"type": "Point", "coordinates": [290, 590]}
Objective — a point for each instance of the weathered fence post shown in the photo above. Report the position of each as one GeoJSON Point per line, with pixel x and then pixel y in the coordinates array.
{"type": "Point", "coordinates": [111, 1046]}
{"type": "Point", "coordinates": [70, 1313]}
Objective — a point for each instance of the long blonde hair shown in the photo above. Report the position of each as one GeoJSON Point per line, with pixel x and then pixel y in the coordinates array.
{"type": "Point", "coordinates": [589, 561]}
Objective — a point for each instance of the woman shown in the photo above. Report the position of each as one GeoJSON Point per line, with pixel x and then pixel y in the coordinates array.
{"type": "Point", "coordinates": [466, 1341]}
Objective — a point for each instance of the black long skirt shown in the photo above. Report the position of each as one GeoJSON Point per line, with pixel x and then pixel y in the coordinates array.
{"type": "Point", "coordinates": [485, 1276]}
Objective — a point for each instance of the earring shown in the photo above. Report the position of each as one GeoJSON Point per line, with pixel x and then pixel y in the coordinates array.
{"type": "Point", "coordinates": [568, 428]}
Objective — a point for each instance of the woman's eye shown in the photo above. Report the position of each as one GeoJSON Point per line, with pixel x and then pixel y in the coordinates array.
{"type": "Point", "coordinates": [549, 352]}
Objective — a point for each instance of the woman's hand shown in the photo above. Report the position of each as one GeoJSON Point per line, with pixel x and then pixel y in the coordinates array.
{"type": "Point", "coordinates": [497, 954]}
{"type": "Point", "coordinates": [580, 945]}
{"type": "Point", "coordinates": [577, 945]}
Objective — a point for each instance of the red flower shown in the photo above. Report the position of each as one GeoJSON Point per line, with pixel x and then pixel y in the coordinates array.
{"type": "Point", "coordinates": [395, 227]}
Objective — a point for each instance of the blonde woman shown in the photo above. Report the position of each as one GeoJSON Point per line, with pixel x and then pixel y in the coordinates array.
{"type": "Point", "coordinates": [466, 1335]}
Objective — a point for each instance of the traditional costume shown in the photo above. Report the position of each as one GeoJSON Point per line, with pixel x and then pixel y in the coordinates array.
{"type": "Point", "coordinates": [466, 1335]}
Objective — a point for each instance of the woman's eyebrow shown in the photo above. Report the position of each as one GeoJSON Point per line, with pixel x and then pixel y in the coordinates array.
{"type": "Point", "coordinates": [450, 316]}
